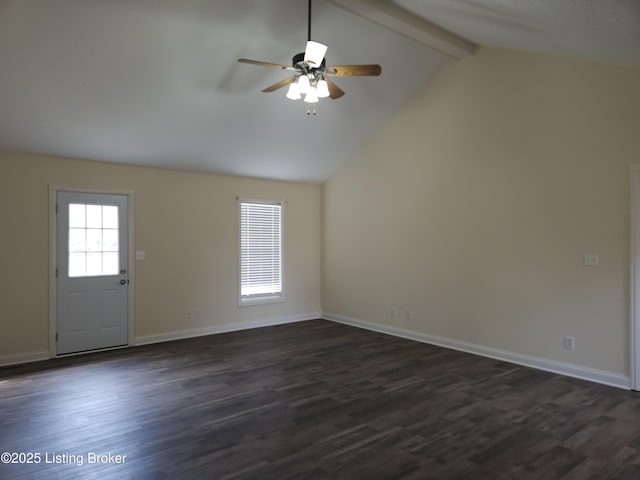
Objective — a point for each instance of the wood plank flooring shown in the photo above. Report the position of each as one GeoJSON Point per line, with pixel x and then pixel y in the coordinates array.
{"type": "Point", "coordinates": [311, 400]}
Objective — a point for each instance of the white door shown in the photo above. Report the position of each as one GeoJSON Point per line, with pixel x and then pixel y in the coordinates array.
{"type": "Point", "coordinates": [92, 274]}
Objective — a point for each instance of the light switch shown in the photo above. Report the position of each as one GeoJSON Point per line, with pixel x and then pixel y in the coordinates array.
{"type": "Point", "coordinates": [139, 254]}
{"type": "Point", "coordinates": [591, 260]}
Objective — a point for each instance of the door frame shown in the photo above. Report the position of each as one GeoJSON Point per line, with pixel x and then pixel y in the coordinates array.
{"type": "Point", "coordinates": [53, 283]}
{"type": "Point", "coordinates": [634, 280]}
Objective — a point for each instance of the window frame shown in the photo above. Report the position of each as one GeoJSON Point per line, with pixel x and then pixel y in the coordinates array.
{"type": "Point", "coordinates": [85, 228]}
{"type": "Point", "coordinates": [261, 299]}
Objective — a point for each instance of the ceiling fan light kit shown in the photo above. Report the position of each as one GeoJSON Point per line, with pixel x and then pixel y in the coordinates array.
{"type": "Point", "coordinates": [310, 78]}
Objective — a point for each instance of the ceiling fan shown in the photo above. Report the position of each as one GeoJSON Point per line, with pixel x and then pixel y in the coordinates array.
{"type": "Point", "coordinates": [310, 77]}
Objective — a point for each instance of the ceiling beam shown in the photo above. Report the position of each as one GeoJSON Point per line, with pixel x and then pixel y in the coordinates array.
{"type": "Point", "coordinates": [399, 20]}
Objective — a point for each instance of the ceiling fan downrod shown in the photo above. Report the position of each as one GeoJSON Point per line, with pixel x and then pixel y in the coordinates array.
{"type": "Point", "coordinates": [309, 22]}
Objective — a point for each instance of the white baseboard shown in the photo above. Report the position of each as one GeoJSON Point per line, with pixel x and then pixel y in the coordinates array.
{"type": "Point", "coordinates": [562, 368]}
{"type": "Point", "coordinates": [227, 327]}
{"type": "Point", "coordinates": [17, 359]}
{"type": "Point", "coordinates": [568, 369]}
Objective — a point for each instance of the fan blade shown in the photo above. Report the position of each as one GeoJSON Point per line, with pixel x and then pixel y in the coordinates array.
{"type": "Point", "coordinates": [354, 70]}
{"type": "Point", "coordinates": [266, 64]}
{"type": "Point", "coordinates": [334, 90]}
{"type": "Point", "coordinates": [280, 84]}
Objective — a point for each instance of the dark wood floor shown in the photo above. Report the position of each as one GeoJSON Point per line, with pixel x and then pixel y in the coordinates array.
{"type": "Point", "coordinates": [312, 400]}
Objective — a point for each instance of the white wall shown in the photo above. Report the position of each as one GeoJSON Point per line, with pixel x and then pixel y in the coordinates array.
{"type": "Point", "coordinates": [187, 225]}
{"type": "Point", "coordinates": [474, 205]}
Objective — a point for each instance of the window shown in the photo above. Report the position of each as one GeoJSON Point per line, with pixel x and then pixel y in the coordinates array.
{"type": "Point", "coordinates": [93, 240]}
{"type": "Point", "coordinates": [260, 252]}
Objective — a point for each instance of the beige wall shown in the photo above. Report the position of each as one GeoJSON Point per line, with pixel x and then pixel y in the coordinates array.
{"type": "Point", "coordinates": [474, 205]}
{"type": "Point", "coordinates": [185, 222]}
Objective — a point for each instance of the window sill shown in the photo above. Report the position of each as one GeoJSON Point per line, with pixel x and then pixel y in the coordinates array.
{"type": "Point", "coordinates": [258, 300]}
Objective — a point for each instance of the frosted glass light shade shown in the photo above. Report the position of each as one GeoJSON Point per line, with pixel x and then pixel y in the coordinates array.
{"type": "Point", "coordinates": [312, 95]}
{"type": "Point", "coordinates": [323, 89]}
{"type": "Point", "coordinates": [294, 92]}
{"type": "Point", "coordinates": [303, 84]}
{"type": "Point", "coordinates": [314, 53]}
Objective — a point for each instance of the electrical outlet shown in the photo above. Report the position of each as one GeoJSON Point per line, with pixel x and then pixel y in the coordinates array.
{"type": "Point", "coordinates": [196, 313]}
{"type": "Point", "coordinates": [394, 312]}
{"type": "Point", "coordinates": [409, 314]}
{"type": "Point", "coordinates": [570, 343]}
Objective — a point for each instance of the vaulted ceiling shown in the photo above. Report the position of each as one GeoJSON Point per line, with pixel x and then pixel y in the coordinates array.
{"type": "Point", "coordinates": [157, 82]}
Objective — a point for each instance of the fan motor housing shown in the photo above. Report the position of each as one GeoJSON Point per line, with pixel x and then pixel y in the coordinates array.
{"type": "Point", "coordinates": [298, 59]}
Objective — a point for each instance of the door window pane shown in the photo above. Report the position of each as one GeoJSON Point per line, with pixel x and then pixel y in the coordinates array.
{"type": "Point", "coordinates": [77, 215]}
{"type": "Point", "coordinates": [110, 240]}
{"type": "Point", "coordinates": [110, 263]}
{"type": "Point", "coordinates": [94, 264]}
{"type": "Point", "coordinates": [77, 240]}
{"type": "Point", "coordinates": [77, 265]}
{"type": "Point", "coordinates": [109, 216]}
{"type": "Point", "coordinates": [94, 240]}
{"type": "Point", "coordinates": [94, 216]}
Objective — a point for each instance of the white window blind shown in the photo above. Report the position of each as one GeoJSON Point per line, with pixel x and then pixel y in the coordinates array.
{"type": "Point", "coordinates": [260, 250]}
